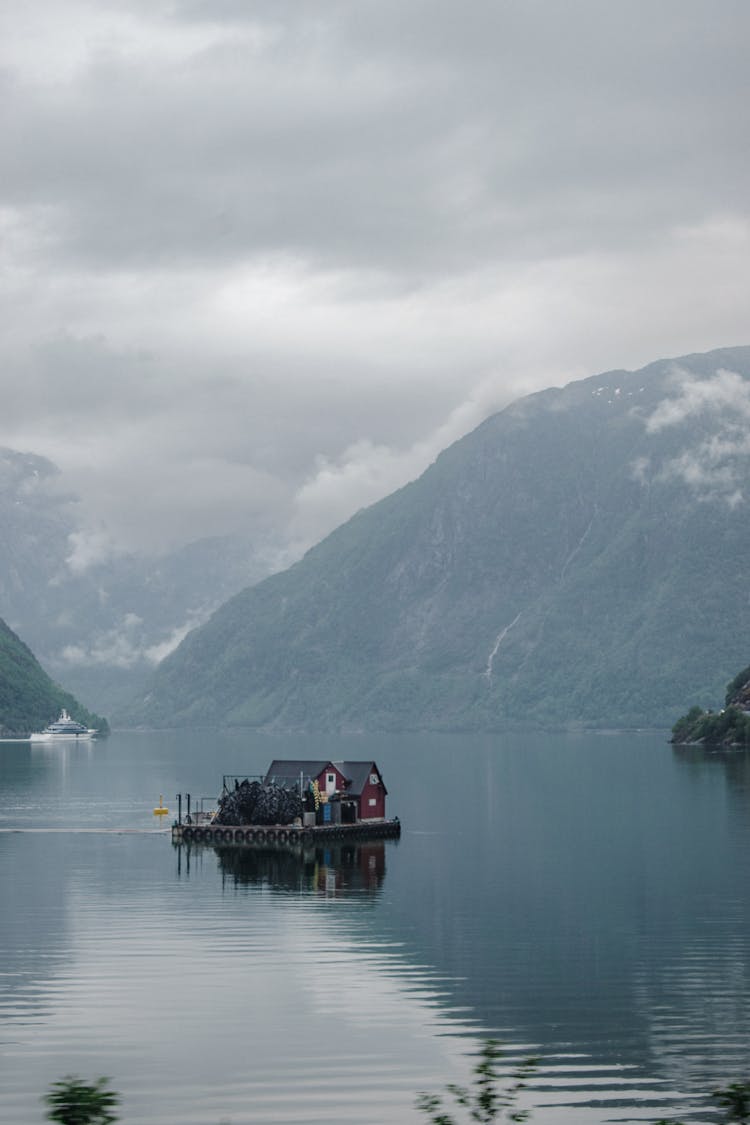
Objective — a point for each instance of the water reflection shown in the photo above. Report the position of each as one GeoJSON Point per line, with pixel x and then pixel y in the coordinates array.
{"type": "Point", "coordinates": [582, 899]}
{"type": "Point", "coordinates": [733, 763]}
{"type": "Point", "coordinates": [20, 770]}
{"type": "Point", "coordinates": [332, 870]}
{"type": "Point", "coordinates": [204, 1004]}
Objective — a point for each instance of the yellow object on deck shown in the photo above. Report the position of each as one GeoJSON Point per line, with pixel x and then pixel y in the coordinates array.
{"type": "Point", "coordinates": [161, 811]}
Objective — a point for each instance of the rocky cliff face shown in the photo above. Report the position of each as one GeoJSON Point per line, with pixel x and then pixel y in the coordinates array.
{"type": "Point", "coordinates": [738, 692]}
{"type": "Point", "coordinates": [579, 558]}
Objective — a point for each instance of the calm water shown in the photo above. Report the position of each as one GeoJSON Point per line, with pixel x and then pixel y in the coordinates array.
{"type": "Point", "coordinates": [583, 899]}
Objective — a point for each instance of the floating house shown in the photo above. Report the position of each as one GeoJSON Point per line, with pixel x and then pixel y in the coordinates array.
{"type": "Point", "coordinates": [357, 786]}
{"type": "Point", "coordinates": [298, 803]}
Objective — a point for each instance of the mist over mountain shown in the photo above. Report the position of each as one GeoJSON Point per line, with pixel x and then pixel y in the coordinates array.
{"type": "Point", "coordinates": [579, 558]}
{"type": "Point", "coordinates": [100, 621]}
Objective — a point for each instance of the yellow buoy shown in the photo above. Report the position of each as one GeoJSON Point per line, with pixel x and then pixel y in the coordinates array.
{"type": "Point", "coordinates": [161, 811]}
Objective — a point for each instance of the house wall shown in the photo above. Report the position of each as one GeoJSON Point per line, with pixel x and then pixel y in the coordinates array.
{"type": "Point", "coordinates": [372, 793]}
{"type": "Point", "coordinates": [365, 810]}
{"type": "Point", "coordinates": [340, 779]}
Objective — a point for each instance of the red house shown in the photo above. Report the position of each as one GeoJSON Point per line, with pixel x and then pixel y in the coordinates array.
{"type": "Point", "coordinates": [358, 786]}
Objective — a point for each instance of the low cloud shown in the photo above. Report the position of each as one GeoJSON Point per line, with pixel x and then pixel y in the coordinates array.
{"type": "Point", "coordinates": [715, 469]}
{"type": "Point", "coordinates": [714, 466]}
{"type": "Point", "coordinates": [726, 395]}
{"type": "Point", "coordinates": [90, 548]}
{"type": "Point", "coordinates": [127, 645]}
{"type": "Point", "coordinates": [366, 472]}
{"type": "Point", "coordinates": [158, 652]}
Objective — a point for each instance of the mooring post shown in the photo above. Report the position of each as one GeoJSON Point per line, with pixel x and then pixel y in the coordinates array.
{"type": "Point", "coordinates": [179, 808]}
{"type": "Point", "coordinates": [187, 795]}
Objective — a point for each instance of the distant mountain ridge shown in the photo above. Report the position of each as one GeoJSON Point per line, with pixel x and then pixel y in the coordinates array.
{"type": "Point", "coordinates": [29, 699]}
{"type": "Point", "coordinates": [579, 558]}
{"type": "Point", "coordinates": [99, 628]}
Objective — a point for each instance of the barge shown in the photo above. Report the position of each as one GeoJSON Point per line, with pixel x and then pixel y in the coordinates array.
{"type": "Point", "coordinates": [295, 804]}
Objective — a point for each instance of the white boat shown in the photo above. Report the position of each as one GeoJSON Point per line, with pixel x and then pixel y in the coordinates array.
{"type": "Point", "coordinates": [64, 729]}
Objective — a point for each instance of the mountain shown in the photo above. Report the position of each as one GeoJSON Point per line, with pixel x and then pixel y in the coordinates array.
{"type": "Point", "coordinates": [98, 621]}
{"type": "Point", "coordinates": [29, 699]}
{"type": "Point", "coordinates": [579, 558]}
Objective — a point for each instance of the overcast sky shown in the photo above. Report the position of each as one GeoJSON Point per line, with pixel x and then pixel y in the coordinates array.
{"type": "Point", "coordinates": [262, 259]}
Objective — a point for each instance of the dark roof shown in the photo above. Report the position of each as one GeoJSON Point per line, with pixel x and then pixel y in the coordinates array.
{"type": "Point", "coordinates": [358, 774]}
{"type": "Point", "coordinates": [283, 771]}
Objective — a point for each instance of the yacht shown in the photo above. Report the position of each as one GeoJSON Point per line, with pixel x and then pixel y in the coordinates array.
{"type": "Point", "coordinates": [64, 728]}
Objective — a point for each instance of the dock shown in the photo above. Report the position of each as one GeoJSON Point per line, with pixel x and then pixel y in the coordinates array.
{"type": "Point", "coordinates": [288, 835]}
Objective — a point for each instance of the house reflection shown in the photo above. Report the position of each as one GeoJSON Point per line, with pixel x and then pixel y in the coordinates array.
{"type": "Point", "coordinates": [333, 869]}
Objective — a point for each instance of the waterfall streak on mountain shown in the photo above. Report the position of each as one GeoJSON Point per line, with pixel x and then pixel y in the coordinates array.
{"type": "Point", "coordinates": [577, 548]}
{"type": "Point", "coordinates": [499, 640]}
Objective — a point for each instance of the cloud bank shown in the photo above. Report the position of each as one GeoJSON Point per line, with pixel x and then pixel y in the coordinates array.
{"type": "Point", "coordinates": [124, 645]}
{"type": "Point", "coordinates": [714, 466]}
{"type": "Point", "coordinates": [257, 262]}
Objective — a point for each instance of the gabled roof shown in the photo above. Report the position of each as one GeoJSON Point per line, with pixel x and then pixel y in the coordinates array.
{"type": "Point", "coordinates": [358, 774]}
{"type": "Point", "coordinates": [285, 771]}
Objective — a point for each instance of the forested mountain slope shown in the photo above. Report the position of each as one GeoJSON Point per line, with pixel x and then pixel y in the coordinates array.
{"type": "Point", "coordinates": [579, 558]}
{"type": "Point", "coordinates": [29, 699]}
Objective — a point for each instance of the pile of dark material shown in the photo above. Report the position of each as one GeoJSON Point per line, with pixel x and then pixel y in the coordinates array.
{"type": "Point", "coordinates": [252, 803]}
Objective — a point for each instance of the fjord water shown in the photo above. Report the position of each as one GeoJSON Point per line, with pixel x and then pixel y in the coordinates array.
{"type": "Point", "coordinates": [581, 898]}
